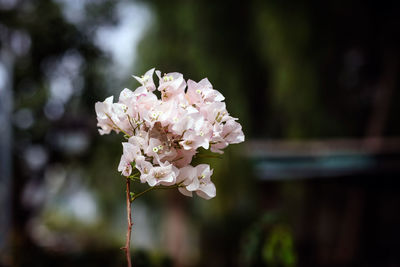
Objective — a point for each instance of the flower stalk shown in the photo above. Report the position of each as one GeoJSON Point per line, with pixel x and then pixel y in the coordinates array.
{"type": "Point", "coordinates": [164, 135]}
{"type": "Point", "coordinates": [127, 247]}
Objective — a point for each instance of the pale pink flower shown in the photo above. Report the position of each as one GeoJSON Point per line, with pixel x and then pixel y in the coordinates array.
{"type": "Point", "coordinates": [111, 116]}
{"type": "Point", "coordinates": [164, 134]}
{"type": "Point", "coordinates": [201, 92]}
{"type": "Point", "coordinates": [205, 189]}
{"type": "Point", "coordinates": [197, 179]}
{"type": "Point", "coordinates": [144, 168]}
{"type": "Point", "coordinates": [131, 153]}
{"type": "Point", "coordinates": [165, 174]}
{"type": "Point", "coordinates": [215, 112]}
{"type": "Point", "coordinates": [140, 140]}
{"type": "Point", "coordinates": [155, 146]}
{"type": "Point", "coordinates": [185, 178]}
{"type": "Point", "coordinates": [191, 121]}
{"type": "Point", "coordinates": [217, 145]}
{"type": "Point", "coordinates": [184, 157]}
{"type": "Point", "coordinates": [159, 151]}
{"type": "Point", "coordinates": [232, 132]}
{"type": "Point", "coordinates": [102, 111]}
{"type": "Point", "coordinates": [126, 97]}
{"type": "Point", "coordinates": [194, 140]}
{"type": "Point", "coordinates": [147, 80]}
{"type": "Point", "coordinates": [166, 112]}
{"type": "Point", "coordinates": [144, 100]}
{"type": "Point", "coordinates": [171, 85]}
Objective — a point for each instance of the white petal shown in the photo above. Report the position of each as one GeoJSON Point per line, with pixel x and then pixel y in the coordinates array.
{"type": "Point", "coordinates": [185, 192]}
{"type": "Point", "coordinates": [194, 185]}
{"type": "Point", "coordinates": [207, 191]}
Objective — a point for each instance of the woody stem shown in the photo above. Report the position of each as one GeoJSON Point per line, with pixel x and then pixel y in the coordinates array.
{"type": "Point", "coordinates": [129, 217]}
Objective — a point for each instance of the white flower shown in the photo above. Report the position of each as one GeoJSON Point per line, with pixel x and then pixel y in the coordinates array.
{"type": "Point", "coordinates": [165, 174]}
{"type": "Point", "coordinates": [193, 140]}
{"type": "Point", "coordinates": [147, 80]}
{"type": "Point", "coordinates": [232, 132]}
{"type": "Point", "coordinates": [164, 134]}
{"type": "Point", "coordinates": [197, 179]}
{"type": "Point", "coordinates": [201, 92]}
{"type": "Point", "coordinates": [131, 153]}
{"type": "Point", "coordinates": [102, 111]}
{"type": "Point", "coordinates": [186, 175]}
{"type": "Point", "coordinates": [171, 85]}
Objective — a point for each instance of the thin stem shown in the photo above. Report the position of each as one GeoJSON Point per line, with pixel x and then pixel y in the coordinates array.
{"type": "Point", "coordinates": [130, 223]}
{"type": "Point", "coordinates": [129, 201]}
{"type": "Point", "coordinates": [135, 196]}
{"type": "Point", "coordinates": [134, 178]}
{"type": "Point", "coordinates": [130, 122]}
{"type": "Point", "coordinates": [167, 187]}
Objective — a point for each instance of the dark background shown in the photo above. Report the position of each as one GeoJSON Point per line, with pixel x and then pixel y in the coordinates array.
{"type": "Point", "coordinates": [314, 83]}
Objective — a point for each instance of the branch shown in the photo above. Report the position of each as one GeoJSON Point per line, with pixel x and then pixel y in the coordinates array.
{"type": "Point", "coordinates": [130, 223]}
{"type": "Point", "coordinates": [129, 200]}
{"type": "Point", "coordinates": [135, 196]}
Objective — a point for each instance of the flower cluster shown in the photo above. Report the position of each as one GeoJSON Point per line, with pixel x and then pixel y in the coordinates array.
{"type": "Point", "coordinates": [163, 135]}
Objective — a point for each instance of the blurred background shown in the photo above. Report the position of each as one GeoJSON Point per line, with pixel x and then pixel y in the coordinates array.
{"type": "Point", "coordinates": [314, 83]}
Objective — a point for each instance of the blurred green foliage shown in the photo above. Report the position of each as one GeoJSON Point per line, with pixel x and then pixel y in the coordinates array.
{"type": "Point", "coordinates": [278, 250]}
{"type": "Point", "coordinates": [268, 242]}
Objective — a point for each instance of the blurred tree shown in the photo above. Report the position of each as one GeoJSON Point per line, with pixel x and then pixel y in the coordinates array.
{"type": "Point", "coordinates": [57, 76]}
